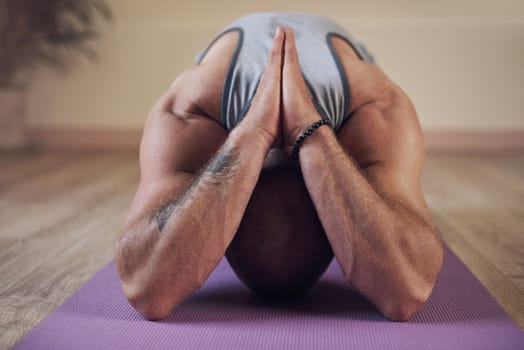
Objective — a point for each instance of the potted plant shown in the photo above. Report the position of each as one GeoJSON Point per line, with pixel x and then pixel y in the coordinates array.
{"type": "Point", "coordinates": [36, 32]}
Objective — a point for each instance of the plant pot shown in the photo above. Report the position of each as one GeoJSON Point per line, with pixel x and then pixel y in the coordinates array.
{"type": "Point", "coordinates": [12, 119]}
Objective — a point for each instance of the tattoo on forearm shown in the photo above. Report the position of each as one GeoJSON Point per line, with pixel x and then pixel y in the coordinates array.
{"type": "Point", "coordinates": [162, 214]}
{"type": "Point", "coordinates": [222, 167]}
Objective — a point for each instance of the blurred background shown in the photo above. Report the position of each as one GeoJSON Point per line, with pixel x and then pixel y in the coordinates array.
{"type": "Point", "coordinates": [460, 61]}
{"type": "Point", "coordinates": [78, 78]}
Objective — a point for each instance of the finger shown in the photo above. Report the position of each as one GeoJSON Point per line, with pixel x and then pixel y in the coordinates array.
{"type": "Point", "coordinates": [290, 52]}
{"type": "Point", "coordinates": [275, 54]}
{"type": "Point", "coordinates": [273, 68]}
{"type": "Point", "coordinates": [269, 85]}
{"type": "Point", "coordinates": [292, 80]}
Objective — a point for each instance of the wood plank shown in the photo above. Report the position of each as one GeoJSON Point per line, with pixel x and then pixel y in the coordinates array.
{"type": "Point", "coordinates": [503, 290]}
{"type": "Point", "coordinates": [498, 235]}
{"type": "Point", "coordinates": [62, 275]}
{"type": "Point", "coordinates": [92, 246]}
{"type": "Point", "coordinates": [47, 243]}
{"type": "Point", "coordinates": [64, 269]}
{"type": "Point", "coordinates": [18, 315]}
{"type": "Point", "coordinates": [489, 216]}
{"type": "Point", "coordinates": [22, 168]}
{"type": "Point", "coordinates": [506, 171]}
{"type": "Point", "coordinates": [62, 178]}
{"type": "Point", "coordinates": [9, 248]}
{"type": "Point", "coordinates": [518, 281]}
{"type": "Point", "coordinates": [59, 196]}
{"type": "Point", "coordinates": [479, 200]}
{"type": "Point", "coordinates": [513, 165]}
{"type": "Point", "coordinates": [464, 181]}
{"type": "Point", "coordinates": [37, 252]}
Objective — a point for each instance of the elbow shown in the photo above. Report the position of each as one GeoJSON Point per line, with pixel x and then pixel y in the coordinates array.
{"type": "Point", "coordinates": [152, 297]}
{"type": "Point", "coordinates": [151, 305]}
{"type": "Point", "coordinates": [142, 293]}
{"type": "Point", "coordinates": [414, 291]}
{"type": "Point", "coordinates": [403, 309]}
{"type": "Point", "coordinates": [153, 313]}
{"type": "Point", "coordinates": [156, 300]}
{"type": "Point", "coordinates": [403, 304]}
{"type": "Point", "coordinates": [148, 285]}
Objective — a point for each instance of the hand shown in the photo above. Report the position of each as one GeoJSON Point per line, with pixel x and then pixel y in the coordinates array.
{"type": "Point", "coordinates": [264, 113]}
{"type": "Point", "coordinates": [298, 110]}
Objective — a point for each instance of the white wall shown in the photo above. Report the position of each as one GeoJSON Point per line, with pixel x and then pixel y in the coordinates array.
{"type": "Point", "coordinates": [462, 62]}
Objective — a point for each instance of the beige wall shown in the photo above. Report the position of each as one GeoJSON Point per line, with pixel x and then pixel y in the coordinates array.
{"type": "Point", "coordinates": [461, 61]}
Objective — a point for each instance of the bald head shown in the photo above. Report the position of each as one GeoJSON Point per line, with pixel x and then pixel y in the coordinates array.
{"type": "Point", "coordinates": [280, 248]}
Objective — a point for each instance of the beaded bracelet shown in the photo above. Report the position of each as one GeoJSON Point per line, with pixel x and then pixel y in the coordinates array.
{"type": "Point", "coordinates": [300, 140]}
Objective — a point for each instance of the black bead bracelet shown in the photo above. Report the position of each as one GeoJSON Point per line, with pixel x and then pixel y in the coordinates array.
{"type": "Point", "coordinates": [300, 140]}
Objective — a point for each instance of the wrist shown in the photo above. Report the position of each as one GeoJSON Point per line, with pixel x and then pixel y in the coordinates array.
{"type": "Point", "coordinates": [320, 126]}
{"type": "Point", "coordinates": [302, 127]}
{"type": "Point", "coordinates": [251, 137]}
{"type": "Point", "coordinates": [319, 135]}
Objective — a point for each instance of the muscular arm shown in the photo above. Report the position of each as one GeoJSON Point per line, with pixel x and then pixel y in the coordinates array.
{"type": "Point", "coordinates": [365, 185]}
{"type": "Point", "coordinates": [187, 207]}
{"type": "Point", "coordinates": [182, 223]}
{"type": "Point", "coordinates": [375, 217]}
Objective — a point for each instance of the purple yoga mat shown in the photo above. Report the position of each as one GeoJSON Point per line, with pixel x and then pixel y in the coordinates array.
{"type": "Point", "coordinates": [224, 314]}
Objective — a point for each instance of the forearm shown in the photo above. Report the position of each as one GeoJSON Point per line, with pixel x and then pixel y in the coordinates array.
{"type": "Point", "coordinates": [386, 251]}
{"type": "Point", "coordinates": [169, 253]}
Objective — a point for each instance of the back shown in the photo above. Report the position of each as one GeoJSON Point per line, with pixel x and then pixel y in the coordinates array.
{"type": "Point", "coordinates": [319, 62]}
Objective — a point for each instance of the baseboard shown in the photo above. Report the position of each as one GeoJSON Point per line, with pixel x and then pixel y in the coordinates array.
{"type": "Point", "coordinates": [474, 140]}
{"type": "Point", "coordinates": [129, 139]}
{"type": "Point", "coordinates": [85, 138]}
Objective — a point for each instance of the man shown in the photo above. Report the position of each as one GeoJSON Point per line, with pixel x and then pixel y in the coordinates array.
{"type": "Point", "coordinates": [217, 176]}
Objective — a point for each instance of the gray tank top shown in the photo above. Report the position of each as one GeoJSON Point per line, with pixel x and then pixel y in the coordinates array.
{"type": "Point", "coordinates": [320, 65]}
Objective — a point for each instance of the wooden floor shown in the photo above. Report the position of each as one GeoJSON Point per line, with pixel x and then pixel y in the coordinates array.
{"type": "Point", "coordinates": [60, 214]}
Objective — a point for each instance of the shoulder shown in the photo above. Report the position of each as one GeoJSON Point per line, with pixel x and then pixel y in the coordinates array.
{"type": "Point", "coordinates": [384, 129]}
{"type": "Point", "coordinates": [191, 93]}
{"type": "Point", "coordinates": [198, 89]}
{"type": "Point", "coordinates": [174, 124]}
